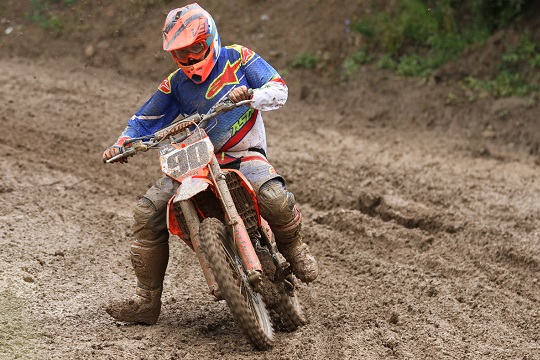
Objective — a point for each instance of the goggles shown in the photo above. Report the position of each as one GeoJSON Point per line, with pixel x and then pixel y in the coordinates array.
{"type": "Point", "coordinates": [194, 52]}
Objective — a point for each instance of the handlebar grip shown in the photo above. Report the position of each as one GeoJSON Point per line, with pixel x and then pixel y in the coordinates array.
{"type": "Point", "coordinates": [125, 154]}
{"type": "Point", "coordinates": [113, 159]}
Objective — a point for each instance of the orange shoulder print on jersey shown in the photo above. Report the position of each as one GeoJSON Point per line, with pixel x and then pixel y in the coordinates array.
{"type": "Point", "coordinates": [227, 77]}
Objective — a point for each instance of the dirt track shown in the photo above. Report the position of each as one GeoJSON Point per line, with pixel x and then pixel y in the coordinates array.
{"type": "Point", "coordinates": [428, 248]}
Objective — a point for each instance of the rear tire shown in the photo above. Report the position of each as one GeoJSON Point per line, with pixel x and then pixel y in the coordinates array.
{"type": "Point", "coordinates": [290, 312]}
{"type": "Point", "coordinates": [278, 292]}
{"type": "Point", "coordinates": [246, 305]}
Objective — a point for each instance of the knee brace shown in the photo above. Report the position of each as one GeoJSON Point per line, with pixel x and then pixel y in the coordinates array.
{"type": "Point", "coordinates": [277, 205]}
{"type": "Point", "coordinates": [150, 226]}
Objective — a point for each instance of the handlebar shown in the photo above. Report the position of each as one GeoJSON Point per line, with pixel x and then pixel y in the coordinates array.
{"type": "Point", "coordinates": [135, 145]}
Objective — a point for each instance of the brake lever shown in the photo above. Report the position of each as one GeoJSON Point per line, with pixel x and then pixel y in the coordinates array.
{"type": "Point", "coordinates": [244, 102]}
{"type": "Point", "coordinates": [229, 105]}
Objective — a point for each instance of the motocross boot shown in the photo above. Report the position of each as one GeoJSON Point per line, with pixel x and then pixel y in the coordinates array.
{"type": "Point", "coordinates": [277, 206]}
{"type": "Point", "coordinates": [149, 264]}
{"type": "Point", "coordinates": [296, 252]}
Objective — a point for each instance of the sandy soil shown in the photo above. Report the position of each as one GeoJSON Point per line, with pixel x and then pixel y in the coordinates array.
{"type": "Point", "coordinates": [423, 213]}
{"type": "Point", "coordinates": [427, 250]}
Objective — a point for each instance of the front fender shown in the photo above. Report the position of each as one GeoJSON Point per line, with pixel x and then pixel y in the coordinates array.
{"type": "Point", "coordinates": [190, 186]}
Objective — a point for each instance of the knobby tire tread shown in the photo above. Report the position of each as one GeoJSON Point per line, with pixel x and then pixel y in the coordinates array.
{"type": "Point", "coordinates": [211, 232]}
{"type": "Point", "coordinates": [290, 312]}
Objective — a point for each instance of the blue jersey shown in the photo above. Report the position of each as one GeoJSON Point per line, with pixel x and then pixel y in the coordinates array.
{"type": "Point", "coordinates": [177, 95]}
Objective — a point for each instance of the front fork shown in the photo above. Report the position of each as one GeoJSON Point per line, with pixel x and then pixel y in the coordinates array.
{"type": "Point", "coordinates": [239, 233]}
{"type": "Point", "coordinates": [193, 224]}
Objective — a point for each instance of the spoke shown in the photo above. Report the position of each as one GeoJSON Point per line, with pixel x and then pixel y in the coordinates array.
{"type": "Point", "coordinates": [233, 264]}
{"type": "Point", "coordinates": [250, 300]}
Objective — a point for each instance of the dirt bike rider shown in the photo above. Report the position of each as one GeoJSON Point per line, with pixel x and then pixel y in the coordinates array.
{"type": "Point", "coordinates": [206, 72]}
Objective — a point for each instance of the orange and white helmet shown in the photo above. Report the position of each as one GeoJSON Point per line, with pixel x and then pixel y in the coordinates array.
{"type": "Point", "coordinates": [191, 36]}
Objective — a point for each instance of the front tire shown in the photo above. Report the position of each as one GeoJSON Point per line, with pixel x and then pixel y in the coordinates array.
{"type": "Point", "coordinates": [246, 305]}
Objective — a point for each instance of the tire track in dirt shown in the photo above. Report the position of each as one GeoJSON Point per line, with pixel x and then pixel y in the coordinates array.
{"type": "Point", "coordinates": [426, 251]}
{"type": "Point", "coordinates": [429, 225]}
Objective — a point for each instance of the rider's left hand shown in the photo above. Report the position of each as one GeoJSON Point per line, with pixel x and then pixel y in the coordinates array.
{"type": "Point", "coordinates": [240, 93]}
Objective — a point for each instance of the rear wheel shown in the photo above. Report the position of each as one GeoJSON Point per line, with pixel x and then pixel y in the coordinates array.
{"type": "Point", "coordinates": [246, 305]}
{"type": "Point", "coordinates": [289, 312]}
{"type": "Point", "coordinates": [279, 290]}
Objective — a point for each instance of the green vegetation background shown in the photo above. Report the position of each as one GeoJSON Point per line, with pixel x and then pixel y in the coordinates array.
{"type": "Point", "coordinates": [416, 37]}
{"type": "Point", "coordinates": [409, 37]}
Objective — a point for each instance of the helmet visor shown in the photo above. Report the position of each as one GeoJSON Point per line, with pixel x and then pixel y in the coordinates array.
{"type": "Point", "coordinates": [191, 54]}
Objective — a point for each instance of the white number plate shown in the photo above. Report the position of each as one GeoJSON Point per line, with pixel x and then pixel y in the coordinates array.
{"type": "Point", "coordinates": [178, 162]}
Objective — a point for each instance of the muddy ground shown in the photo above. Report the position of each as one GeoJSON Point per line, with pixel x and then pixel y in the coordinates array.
{"type": "Point", "coordinates": [423, 210]}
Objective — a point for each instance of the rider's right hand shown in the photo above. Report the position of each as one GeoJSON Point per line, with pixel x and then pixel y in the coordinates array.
{"type": "Point", "coordinates": [112, 152]}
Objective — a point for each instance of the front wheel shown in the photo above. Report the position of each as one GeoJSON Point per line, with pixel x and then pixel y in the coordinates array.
{"type": "Point", "coordinates": [246, 305]}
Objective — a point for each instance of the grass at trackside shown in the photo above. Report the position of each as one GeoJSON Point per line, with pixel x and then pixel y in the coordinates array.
{"type": "Point", "coordinates": [415, 37]}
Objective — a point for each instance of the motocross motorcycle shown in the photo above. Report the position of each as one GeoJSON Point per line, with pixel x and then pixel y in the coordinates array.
{"type": "Point", "coordinates": [215, 212]}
